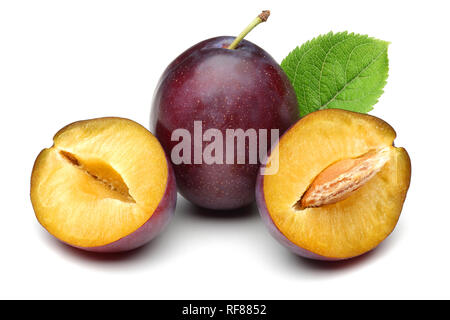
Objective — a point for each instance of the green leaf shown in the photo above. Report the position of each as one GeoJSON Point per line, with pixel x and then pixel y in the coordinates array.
{"type": "Point", "coordinates": [342, 70]}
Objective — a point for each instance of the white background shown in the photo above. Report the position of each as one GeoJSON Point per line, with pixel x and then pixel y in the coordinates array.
{"type": "Point", "coordinates": [62, 61]}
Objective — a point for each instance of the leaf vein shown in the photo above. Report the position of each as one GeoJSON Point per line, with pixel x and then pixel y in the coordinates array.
{"type": "Point", "coordinates": [323, 106]}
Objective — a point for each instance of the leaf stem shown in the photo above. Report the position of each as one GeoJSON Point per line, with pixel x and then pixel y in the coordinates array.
{"type": "Point", "coordinates": [262, 17]}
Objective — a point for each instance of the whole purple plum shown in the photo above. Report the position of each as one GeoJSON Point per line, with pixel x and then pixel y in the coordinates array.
{"type": "Point", "coordinates": [221, 88]}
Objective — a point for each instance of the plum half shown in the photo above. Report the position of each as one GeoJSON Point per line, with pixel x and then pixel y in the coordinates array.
{"type": "Point", "coordinates": [340, 185]}
{"type": "Point", "coordinates": [105, 185]}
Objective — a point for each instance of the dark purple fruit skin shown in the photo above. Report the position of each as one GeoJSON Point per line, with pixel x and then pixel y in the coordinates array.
{"type": "Point", "coordinates": [225, 89]}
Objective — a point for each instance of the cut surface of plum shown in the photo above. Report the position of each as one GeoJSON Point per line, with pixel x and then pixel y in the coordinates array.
{"type": "Point", "coordinates": [101, 181]}
{"type": "Point", "coordinates": [340, 186]}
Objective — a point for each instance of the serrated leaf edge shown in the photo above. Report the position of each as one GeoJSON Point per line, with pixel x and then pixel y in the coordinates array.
{"type": "Point", "coordinates": [345, 33]}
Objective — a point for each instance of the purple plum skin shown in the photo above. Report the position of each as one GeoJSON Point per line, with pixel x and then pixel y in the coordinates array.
{"type": "Point", "coordinates": [151, 228]}
{"type": "Point", "coordinates": [225, 89]}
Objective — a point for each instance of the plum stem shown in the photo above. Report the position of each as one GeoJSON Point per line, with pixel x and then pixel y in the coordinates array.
{"type": "Point", "coordinates": [262, 17]}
